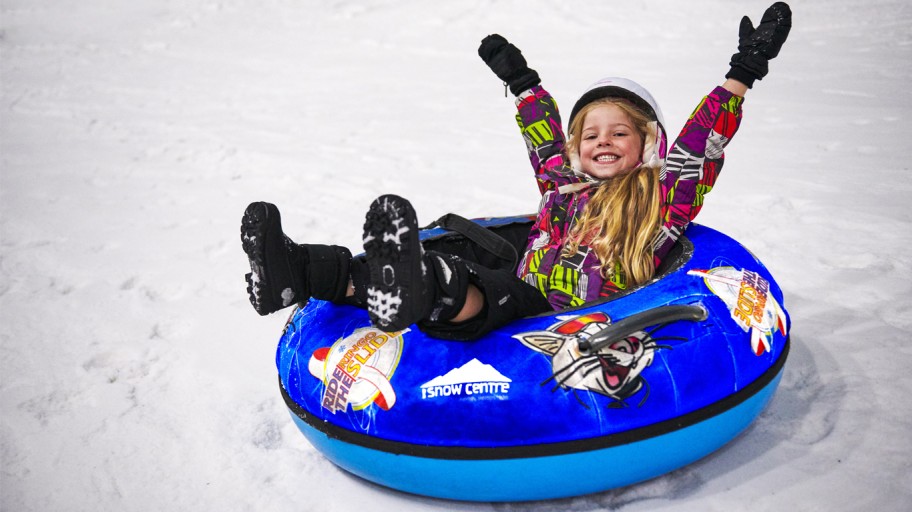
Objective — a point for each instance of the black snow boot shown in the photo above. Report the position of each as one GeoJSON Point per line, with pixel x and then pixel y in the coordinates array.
{"type": "Point", "coordinates": [405, 285]}
{"type": "Point", "coordinates": [282, 272]}
{"type": "Point", "coordinates": [397, 293]}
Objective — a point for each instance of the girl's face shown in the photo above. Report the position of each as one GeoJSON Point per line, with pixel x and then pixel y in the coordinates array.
{"type": "Point", "coordinates": [609, 144]}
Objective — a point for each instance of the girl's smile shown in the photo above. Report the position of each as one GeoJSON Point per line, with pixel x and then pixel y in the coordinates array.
{"type": "Point", "coordinates": [609, 143]}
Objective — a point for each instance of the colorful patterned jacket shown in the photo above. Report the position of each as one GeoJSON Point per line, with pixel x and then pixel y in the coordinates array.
{"type": "Point", "coordinates": [688, 173]}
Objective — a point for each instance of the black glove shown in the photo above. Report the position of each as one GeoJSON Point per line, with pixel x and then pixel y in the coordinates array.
{"type": "Point", "coordinates": [757, 46]}
{"type": "Point", "coordinates": [507, 62]}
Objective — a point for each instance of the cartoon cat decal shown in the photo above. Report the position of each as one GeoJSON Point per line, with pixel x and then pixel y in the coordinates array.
{"type": "Point", "coordinates": [613, 370]}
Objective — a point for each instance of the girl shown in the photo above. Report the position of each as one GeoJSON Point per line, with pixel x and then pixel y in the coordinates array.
{"type": "Point", "coordinates": [614, 202]}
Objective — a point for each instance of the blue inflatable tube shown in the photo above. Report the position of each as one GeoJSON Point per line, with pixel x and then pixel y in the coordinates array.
{"type": "Point", "coordinates": [557, 405]}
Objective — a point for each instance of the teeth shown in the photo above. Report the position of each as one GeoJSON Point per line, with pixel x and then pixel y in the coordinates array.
{"type": "Point", "coordinates": [606, 158]}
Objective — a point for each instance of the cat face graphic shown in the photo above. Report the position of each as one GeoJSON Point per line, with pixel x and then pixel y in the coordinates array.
{"type": "Point", "coordinates": [612, 370]}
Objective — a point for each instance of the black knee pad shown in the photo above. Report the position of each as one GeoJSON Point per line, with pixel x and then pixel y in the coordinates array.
{"type": "Point", "coordinates": [449, 280]}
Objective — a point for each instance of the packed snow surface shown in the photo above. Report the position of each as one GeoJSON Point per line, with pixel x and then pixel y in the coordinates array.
{"type": "Point", "coordinates": [134, 375]}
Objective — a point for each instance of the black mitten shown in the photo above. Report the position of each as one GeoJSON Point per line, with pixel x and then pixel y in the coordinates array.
{"type": "Point", "coordinates": [757, 46]}
{"type": "Point", "coordinates": [507, 62]}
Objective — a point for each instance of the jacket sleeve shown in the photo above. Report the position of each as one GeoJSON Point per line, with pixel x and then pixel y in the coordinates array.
{"type": "Point", "coordinates": [540, 124]}
{"type": "Point", "coordinates": [694, 162]}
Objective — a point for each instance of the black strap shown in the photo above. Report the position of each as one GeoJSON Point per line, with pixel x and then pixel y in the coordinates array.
{"type": "Point", "coordinates": [485, 238]}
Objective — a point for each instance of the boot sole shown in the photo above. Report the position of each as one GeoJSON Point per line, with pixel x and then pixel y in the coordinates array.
{"type": "Point", "coordinates": [396, 292]}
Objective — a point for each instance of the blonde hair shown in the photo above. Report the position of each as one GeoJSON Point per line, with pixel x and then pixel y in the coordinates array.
{"type": "Point", "coordinates": [621, 220]}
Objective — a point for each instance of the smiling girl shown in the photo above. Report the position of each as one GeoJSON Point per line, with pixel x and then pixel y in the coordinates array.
{"type": "Point", "coordinates": [615, 199]}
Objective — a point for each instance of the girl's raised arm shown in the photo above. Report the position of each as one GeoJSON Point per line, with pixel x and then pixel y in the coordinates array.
{"type": "Point", "coordinates": [538, 117]}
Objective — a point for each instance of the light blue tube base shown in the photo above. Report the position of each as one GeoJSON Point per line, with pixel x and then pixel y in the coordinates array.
{"type": "Point", "coordinates": [549, 477]}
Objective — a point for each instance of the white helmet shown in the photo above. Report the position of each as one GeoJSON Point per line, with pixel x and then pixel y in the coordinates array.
{"type": "Point", "coordinates": [654, 151]}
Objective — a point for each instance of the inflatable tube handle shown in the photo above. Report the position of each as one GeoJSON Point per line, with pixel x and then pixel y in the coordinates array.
{"type": "Point", "coordinates": [624, 328]}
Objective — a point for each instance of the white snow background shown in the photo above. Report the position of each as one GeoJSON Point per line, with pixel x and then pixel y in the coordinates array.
{"type": "Point", "coordinates": [135, 374]}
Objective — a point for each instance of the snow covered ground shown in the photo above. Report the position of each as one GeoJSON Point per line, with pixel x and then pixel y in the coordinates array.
{"type": "Point", "coordinates": [135, 376]}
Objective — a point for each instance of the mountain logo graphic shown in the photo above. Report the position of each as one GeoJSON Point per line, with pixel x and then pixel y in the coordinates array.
{"type": "Point", "coordinates": [473, 379]}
